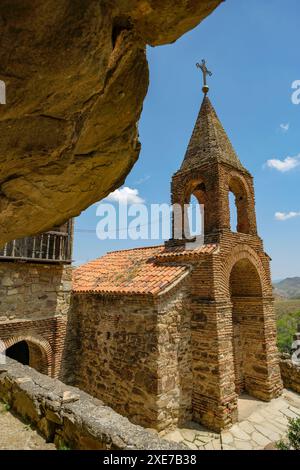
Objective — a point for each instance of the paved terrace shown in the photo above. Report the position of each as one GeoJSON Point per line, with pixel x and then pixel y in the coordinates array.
{"type": "Point", "coordinates": [260, 426]}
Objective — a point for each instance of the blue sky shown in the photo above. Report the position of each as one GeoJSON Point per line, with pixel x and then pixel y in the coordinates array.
{"type": "Point", "coordinates": [252, 49]}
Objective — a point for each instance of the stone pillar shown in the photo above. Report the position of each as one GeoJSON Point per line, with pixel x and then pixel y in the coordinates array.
{"type": "Point", "coordinates": [214, 398]}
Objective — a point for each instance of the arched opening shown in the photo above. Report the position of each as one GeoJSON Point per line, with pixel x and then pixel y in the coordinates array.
{"type": "Point", "coordinates": [195, 217]}
{"type": "Point", "coordinates": [19, 352]}
{"type": "Point", "coordinates": [29, 353]}
{"type": "Point", "coordinates": [233, 212]}
{"type": "Point", "coordinates": [247, 318]}
{"type": "Point", "coordinates": [238, 206]}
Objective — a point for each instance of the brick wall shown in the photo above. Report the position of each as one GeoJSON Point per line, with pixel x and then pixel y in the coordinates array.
{"type": "Point", "coordinates": [211, 185]}
{"type": "Point", "coordinates": [233, 333]}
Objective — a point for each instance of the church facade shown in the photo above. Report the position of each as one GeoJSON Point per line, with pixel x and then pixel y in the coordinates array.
{"type": "Point", "coordinates": [172, 333]}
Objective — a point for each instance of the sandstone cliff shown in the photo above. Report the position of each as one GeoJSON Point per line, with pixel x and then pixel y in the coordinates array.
{"type": "Point", "coordinates": [76, 76]}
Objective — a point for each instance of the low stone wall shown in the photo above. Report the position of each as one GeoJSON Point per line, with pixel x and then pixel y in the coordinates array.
{"type": "Point", "coordinates": [70, 417]}
{"type": "Point", "coordinates": [290, 373]}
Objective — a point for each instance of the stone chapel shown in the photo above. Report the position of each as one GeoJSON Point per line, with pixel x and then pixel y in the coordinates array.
{"type": "Point", "coordinates": [163, 334]}
{"type": "Point", "coordinates": [169, 333]}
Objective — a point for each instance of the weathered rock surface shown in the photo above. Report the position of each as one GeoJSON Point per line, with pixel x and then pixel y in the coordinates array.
{"type": "Point", "coordinates": [76, 75]}
{"type": "Point", "coordinates": [290, 373]}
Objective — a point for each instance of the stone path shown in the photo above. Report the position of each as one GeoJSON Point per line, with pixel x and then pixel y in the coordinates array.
{"type": "Point", "coordinates": [16, 435]}
{"type": "Point", "coordinates": [260, 426]}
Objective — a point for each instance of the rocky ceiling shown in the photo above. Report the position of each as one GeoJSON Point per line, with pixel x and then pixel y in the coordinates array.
{"type": "Point", "coordinates": [76, 76]}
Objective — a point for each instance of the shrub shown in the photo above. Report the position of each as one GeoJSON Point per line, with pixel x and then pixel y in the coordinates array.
{"type": "Point", "coordinates": [292, 440]}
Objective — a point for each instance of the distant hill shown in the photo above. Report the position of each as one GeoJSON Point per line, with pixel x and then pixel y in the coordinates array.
{"type": "Point", "coordinates": [288, 288]}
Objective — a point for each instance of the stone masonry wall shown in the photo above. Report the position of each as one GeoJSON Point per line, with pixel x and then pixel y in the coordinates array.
{"type": "Point", "coordinates": [33, 291]}
{"type": "Point", "coordinates": [112, 350]}
{"type": "Point", "coordinates": [70, 417]}
{"type": "Point", "coordinates": [133, 353]}
{"type": "Point", "coordinates": [34, 303]}
{"type": "Point", "coordinates": [175, 376]}
{"type": "Point", "coordinates": [290, 373]}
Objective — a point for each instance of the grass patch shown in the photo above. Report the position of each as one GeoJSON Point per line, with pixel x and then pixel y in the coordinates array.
{"type": "Point", "coordinates": [5, 407]}
{"type": "Point", "coordinates": [63, 446]}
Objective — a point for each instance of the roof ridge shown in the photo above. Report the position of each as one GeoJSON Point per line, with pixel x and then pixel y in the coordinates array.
{"type": "Point", "coordinates": [133, 249]}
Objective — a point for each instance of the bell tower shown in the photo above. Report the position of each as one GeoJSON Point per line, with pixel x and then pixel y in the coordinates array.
{"type": "Point", "coordinates": [211, 170]}
{"type": "Point", "coordinates": [230, 298]}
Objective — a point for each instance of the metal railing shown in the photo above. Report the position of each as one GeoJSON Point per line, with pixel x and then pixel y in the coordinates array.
{"type": "Point", "coordinates": [53, 246]}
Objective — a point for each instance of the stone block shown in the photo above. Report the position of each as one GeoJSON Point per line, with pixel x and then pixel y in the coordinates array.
{"type": "Point", "coordinates": [47, 428]}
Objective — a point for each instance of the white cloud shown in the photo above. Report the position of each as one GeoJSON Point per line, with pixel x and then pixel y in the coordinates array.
{"type": "Point", "coordinates": [125, 196]}
{"type": "Point", "coordinates": [286, 215]}
{"type": "Point", "coordinates": [285, 127]}
{"type": "Point", "coordinates": [289, 163]}
{"type": "Point", "coordinates": [142, 180]}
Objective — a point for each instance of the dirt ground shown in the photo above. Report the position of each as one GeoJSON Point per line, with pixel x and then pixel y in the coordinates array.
{"type": "Point", "coordinates": [17, 435]}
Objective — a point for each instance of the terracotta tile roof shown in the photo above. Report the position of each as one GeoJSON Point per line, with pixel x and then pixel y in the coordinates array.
{"type": "Point", "coordinates": [129, 272]}
{"type": "Point", "coordinates": [180, 251]}
{"type": "Point", "coordinates": [137, 271]}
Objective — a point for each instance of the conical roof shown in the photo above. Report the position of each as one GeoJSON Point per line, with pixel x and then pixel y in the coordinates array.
{"type": "Point", "coordinates": [209, 142]}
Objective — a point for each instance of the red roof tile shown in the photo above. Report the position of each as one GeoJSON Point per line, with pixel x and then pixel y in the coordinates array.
{"type": "Point", "coordinates": [135, 271]}
{"type": "Point", "coordinates": [180, 251]}
{"type": "Point", "coordinates": [127, 271]}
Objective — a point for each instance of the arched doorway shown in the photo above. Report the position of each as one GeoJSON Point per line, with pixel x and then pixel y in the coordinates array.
{"type": "Point", "coordinates": [32, 352]}
{"type": "Point", "coordinates": [247, 322]}
{"type": "Point", "coordinates": [19, 352]}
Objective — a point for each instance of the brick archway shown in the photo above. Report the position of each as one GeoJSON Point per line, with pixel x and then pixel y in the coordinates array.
{"type": "Point", "coordinates": [239, 253]}
{"type": "Point", "coordinates": [247, 319]}
{"type": "Point", "coordinates": [40, 351]}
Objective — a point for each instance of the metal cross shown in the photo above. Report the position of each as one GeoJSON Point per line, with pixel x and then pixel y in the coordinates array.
{"type": "Point", "coordinates": [205, 72]}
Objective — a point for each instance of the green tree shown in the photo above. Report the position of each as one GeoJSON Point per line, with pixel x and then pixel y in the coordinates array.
{"type": "Point", "coordinates": [286, 328]}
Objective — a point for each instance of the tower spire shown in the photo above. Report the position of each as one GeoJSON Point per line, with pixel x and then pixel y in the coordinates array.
{"type": "Point", "coordinates": [205, 72]}
{"type": "Point", "coordinates": [209, 142]}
